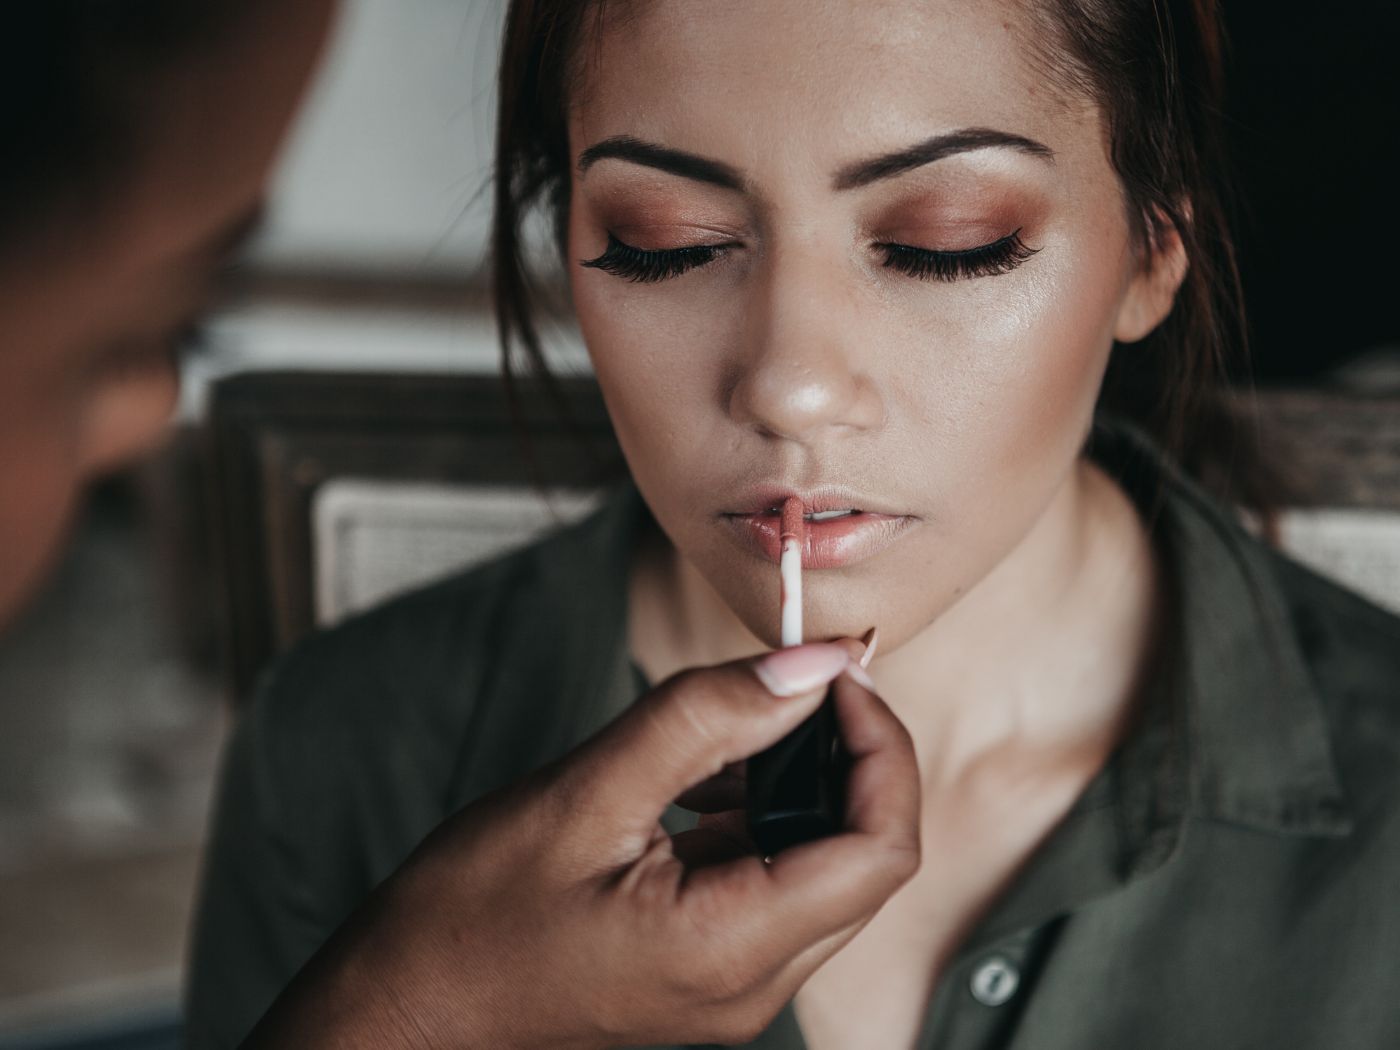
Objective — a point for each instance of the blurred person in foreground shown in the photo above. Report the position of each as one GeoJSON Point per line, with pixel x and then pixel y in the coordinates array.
{"type": "Point", "coordinates": [139, 137]}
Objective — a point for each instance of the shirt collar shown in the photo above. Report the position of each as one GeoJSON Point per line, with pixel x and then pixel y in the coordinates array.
{"type": "Point", "coordinates": [1257, 745]}
{"type": "Point", "coordinates": [1232, 730]}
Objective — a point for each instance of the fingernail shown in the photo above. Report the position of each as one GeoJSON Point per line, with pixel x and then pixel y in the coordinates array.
{"type": "Point", "coordinates": [872, 642]}
{"type": "Point", "coordinates": [861, 677]}
{"type": "Point", "coordinates": [800, 669]}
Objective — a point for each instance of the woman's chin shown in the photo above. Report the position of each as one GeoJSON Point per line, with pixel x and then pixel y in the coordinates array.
{"type": "Point", "coordinates": [826, 618]}
{"type": "Point", "coordinates": [835, 605]}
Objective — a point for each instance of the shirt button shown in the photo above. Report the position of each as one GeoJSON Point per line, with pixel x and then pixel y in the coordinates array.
{"type": "Point", "coordinates": [995, 981]}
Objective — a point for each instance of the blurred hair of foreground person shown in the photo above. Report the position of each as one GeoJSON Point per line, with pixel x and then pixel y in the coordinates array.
{"type": "Point", "coordinates": [139, 138]}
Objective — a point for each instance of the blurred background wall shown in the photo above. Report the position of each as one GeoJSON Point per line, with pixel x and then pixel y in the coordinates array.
{"type": "Point", "coordinates": [388, 167]}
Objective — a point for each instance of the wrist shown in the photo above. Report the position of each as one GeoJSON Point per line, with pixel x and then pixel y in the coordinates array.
{"type": "Point", "coordinates": [348, 996]}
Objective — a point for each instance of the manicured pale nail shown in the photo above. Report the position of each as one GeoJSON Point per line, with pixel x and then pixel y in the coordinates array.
{"type": "Point", "coordinates": [800, 669]}
{"type": "Point", "coordinates": [861, 677]}
{"type": "Point", "coordinates": [872, 642]}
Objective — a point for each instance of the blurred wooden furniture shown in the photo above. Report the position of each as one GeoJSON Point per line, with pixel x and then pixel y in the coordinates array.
{"type": "Point", "coordinates": [1336, 449]}
{"type": "Point", "coordinates": [1338, 455]}
{"type": "Point", "coordinates": [277, 440]}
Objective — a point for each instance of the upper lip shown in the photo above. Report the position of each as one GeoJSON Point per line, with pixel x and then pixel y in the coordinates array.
{"type": "Point", "coordinates": [767, 499]}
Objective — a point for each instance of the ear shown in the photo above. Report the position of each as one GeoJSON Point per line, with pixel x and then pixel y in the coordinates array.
{"type": "Point", "coordinates": [1152, 290]}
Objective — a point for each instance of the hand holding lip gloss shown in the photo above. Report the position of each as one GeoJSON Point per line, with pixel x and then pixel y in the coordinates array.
{"type": "Point", "coordinates": [704, 937]}
{"type": "Point", "coordinates": [796, 787]}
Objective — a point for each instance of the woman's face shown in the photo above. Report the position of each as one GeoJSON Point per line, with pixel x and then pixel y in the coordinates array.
{"type": "Point", "coordinates": [855, 252]}
{"type": "Point", "coordinates": [90, 313]}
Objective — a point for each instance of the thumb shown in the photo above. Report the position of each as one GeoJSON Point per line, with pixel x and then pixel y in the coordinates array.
{"type": "Point", "coordinates": [687, 729]}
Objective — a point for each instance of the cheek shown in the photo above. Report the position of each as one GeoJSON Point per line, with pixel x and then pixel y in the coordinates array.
{"type": "Point", "coordinates": [654, 351]}
{"type": "Point", "coordinates": [1011, 369]}
{"type": "Point", "coordinates": [656, 397]}
{"type": "Point", "coordinates": [35, 515]}
{"type": "Point", "coordinates": [55, 438]}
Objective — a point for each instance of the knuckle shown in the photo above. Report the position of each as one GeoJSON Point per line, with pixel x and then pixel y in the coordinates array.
{"type": "Point", "coordinates": [723, 979]}
{"type": "Point", "coordinates": [694, 682]}
{"type": "Point", "coordinates": [914, 857]}
{"type": "Point", "coordinates": [728, 969]}
{"type": "Point", "coordinates": [740, 1025]}
{"type": "Point", "coordinates": [905, 858]}
{"type": "Point", "coordinates": [900, 737]}
{"type": "Point", "coordinates": [693, 703]}
{"type": "Point", "coordinates": [556, 794]}
{"type": "Point", "coordinates": [737, 1031]}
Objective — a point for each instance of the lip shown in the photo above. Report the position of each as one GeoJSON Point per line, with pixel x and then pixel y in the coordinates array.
{"type": "Point", "coordinates": [829, 544]}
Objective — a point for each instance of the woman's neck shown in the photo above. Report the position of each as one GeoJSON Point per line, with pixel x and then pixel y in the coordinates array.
{"type": "Point", "coordinates": [1044, 656]}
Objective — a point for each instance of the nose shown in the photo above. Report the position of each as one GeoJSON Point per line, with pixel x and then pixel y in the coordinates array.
{"type": "Point", "coordinates": [804, 370]}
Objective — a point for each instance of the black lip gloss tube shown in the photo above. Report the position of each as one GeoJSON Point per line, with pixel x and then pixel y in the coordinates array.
{"type": "Point", "coordinates": [796, 788]}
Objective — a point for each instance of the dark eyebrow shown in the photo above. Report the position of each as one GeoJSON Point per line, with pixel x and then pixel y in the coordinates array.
{"type": "Point", "coordinates": [677, 162]}
{"type": "Point", "coordinates": [861, 173]}
{"type": "Point", "coordinates": [864, 172]}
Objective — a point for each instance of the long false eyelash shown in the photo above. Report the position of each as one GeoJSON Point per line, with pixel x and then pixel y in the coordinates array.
{"type": "Point", "coordinates": [641, 266]}
{"type": "Point", "coordinates": [1000, 256]}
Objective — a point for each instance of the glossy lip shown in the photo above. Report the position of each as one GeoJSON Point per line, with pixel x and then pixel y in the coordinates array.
{"type": "Point", "coordinates": [826, 544]}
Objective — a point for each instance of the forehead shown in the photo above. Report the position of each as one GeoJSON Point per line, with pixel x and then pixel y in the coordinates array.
{"type": "Point", "coordinates": [825, 81]}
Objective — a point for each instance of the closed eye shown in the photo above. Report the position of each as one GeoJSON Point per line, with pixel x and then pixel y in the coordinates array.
{"type": "Point", "coordinates": [986, 260]}
{"type": "Point", "coordinates": [643, 266]}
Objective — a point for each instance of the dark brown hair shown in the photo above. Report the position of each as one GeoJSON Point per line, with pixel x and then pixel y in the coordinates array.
{"type": "Point", "coordinates": [76, 78]}
{"type": "Point", "coordinates": [1154, 69]}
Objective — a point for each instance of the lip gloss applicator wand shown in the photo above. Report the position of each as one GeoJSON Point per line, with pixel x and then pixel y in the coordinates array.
{"type": "Point", "coordinates": [796, 787]}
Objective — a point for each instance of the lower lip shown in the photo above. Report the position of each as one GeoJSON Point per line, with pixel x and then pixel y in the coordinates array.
{"type": "Point", "coordinates": [829, 544]}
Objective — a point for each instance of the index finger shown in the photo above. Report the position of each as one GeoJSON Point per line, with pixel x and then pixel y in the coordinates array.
{"type": "Point", "coordinates": [811, 891]}
{"type": "Point", "coordinates": [684, 731]}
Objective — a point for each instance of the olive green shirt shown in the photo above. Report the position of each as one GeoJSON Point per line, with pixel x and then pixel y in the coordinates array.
{"type": "Point", "coordinates": [1228, 880]}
